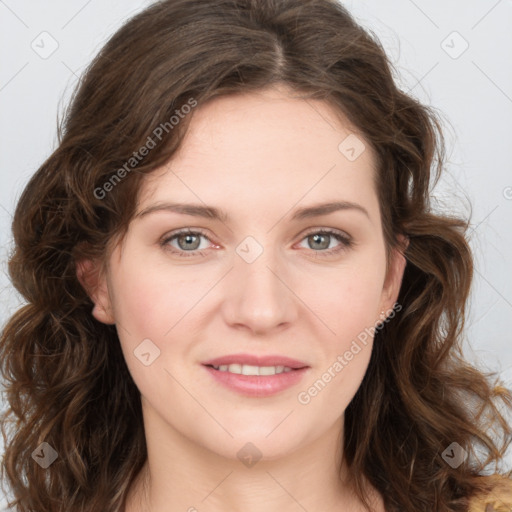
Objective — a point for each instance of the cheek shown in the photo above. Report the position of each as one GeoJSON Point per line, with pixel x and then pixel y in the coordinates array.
{"type": "Point", "coordinates": [347, 300]}
{"type": "Point", "coordinates": [156, 304]}
{"type": "Point", "coordinates": [358, 303]}
{"type": "Point", "coordinates": [151, 299]}
{"type": "Point", "coordinates": [349, 309]}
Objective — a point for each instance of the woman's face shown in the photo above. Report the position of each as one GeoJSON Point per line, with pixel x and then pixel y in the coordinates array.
{"type": "Point", "coordinates": [261, 280]}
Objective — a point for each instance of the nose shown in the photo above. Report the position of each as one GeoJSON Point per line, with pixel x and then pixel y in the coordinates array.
{"type": "Point", "coordinates": [259, 295]}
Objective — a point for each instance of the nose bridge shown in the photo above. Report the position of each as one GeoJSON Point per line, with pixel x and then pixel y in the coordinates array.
{"type": "Point", "coordinates": [258, 297]}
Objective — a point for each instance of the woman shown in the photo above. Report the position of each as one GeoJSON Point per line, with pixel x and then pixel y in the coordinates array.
{"type": "Point", "coordinates": [237, 293]}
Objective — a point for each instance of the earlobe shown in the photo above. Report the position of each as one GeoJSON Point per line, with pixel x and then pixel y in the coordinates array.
{"type": "Point", "coordinates": [93, 281]}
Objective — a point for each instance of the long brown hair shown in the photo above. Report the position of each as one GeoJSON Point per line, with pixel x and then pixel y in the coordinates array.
{"type": "Point", "coordinates": [66, 380]}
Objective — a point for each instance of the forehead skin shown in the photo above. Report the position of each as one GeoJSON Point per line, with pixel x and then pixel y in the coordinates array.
{"type": "Point", "coordinates": [287, 154]}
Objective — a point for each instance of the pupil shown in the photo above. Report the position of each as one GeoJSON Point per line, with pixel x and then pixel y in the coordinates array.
{"type": "Point", "coordinates": [316, 240]}
{"type": "Point", "coordinates": [189, 238]}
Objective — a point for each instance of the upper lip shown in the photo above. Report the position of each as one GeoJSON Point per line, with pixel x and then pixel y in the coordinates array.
{"type": "Point", "coordinates": [256, 360]}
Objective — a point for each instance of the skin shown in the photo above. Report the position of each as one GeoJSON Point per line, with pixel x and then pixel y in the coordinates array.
{"type": "Point", "coordinates": [260, 157]}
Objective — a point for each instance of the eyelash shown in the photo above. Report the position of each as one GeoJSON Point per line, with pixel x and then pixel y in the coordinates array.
{"type": "Point", "coordinates": [346, 242]}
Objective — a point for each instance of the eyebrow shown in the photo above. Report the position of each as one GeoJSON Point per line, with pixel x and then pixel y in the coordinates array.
{"type": "Point", "coordinates": [210, 212]}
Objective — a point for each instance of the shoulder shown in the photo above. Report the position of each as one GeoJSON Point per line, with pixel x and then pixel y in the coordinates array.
{"type": "Point", "coordinates": [499, 499]}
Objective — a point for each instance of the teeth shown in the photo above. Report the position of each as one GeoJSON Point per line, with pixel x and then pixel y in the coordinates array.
{"type": "Point", "coordinates": [247, 369]}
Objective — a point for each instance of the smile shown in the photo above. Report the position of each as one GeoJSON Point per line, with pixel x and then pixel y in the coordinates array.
{"type": "Point", "coordinates": [256, 381]}
{"type": "Point", "coordinates": [246, 369]}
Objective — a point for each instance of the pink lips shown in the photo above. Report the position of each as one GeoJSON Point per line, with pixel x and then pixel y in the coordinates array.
{"type": "Point", "coordinates": [254, 360]}
{"type": "Point", "coordinates": [257, 385]}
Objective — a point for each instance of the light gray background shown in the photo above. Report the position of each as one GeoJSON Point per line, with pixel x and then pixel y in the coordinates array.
{"type": "Point", "coordinates": [472, 88]}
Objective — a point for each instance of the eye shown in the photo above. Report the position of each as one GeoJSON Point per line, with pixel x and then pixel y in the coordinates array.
{"type": "Point", "coordinates": [321, 240]}
{"type": "Point", "coordinates": [187, 241]}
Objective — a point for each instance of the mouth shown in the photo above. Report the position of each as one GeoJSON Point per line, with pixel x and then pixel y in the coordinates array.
{"type": "Point", "coordinates": [245, 369]}
{"type": "Point", "coordinates": [239, 363]}
{"type": "Point", "coordinates": [255, 376]}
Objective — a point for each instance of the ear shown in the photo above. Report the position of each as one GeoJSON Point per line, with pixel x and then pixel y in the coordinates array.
{"type": "Point", "coordinates": [92, 277]}
{"type": "Point", "coordinates": [396, 269]}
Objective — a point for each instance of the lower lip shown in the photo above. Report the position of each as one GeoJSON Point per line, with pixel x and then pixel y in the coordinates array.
{"type": "Point", "coordinates": [258, 385]}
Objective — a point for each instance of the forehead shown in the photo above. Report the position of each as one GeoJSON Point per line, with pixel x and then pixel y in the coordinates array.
{"type": "Point", "coordinates": [270, 146]}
